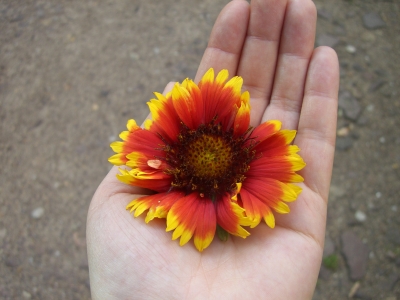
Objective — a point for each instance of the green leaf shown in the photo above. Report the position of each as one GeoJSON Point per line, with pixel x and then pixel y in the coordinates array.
{"type": "Point", "coordinates": [222, 234]}
{"type": "Point", "coordinates": [330, 262]}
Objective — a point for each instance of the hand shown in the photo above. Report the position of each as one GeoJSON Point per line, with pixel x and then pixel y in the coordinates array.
{"type": "Point", "coordinates": [270, 44]}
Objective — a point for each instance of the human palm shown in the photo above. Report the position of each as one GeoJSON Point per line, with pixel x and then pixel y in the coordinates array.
{"type": "Point", "coordinates": [270, 44]}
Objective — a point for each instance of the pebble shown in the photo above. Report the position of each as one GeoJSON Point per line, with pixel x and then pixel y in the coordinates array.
{"type": "Point", "coordinates": [26, 295]}
{"type": "Point", "coordinates": [393, 235]}
{"type": "Point", "coordinates": [327, 40]}
{"type": "Point", "coordinates": [356, 254]}
{"type": "Point", "coordinates": [354, 289]}
{"type": "Point", "coordinates": [382, 140]}
{"type": "Point", "coordinates": [344, 143]}
{"type": "Point", "coordinates": [360, 216]}
{"type": "Point", "coordinates": [391, 281]}
{"type": "Point", "coordinates": [336, 191]}
{"type": "Point", "coordinates": [373, 20]}
{"type": "Point", "coordinates": [344, 131]}
{"type": "Point", "coordinates": [351, 49]}
{"type": "Point", "coordinates": [350, 105]}
{"type": "Point", "coordinates": [37, 213]}
{"type": "Point", "coordinates": [376, 85]}
{"type": "Point", "coordinates": [378, 195]}
{"type": "Point", "coordinates": [3, 233]}
{"type": "Point", "coordinates": [324, 14]}
{"type": "Point", "coordinates": [368, 37]}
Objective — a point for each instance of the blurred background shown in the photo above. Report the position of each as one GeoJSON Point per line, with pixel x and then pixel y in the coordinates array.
{"type": "Point", "coordinates": [73, 72]}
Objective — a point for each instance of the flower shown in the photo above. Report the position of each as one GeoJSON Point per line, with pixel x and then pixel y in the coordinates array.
{"type": "Point", "coordinates": [212, 172]}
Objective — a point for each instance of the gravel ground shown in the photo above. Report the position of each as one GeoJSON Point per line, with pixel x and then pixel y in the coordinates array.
{"type": "Point", "coordinates": [71, 74]}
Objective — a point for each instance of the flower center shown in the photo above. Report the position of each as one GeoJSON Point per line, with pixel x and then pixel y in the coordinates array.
{"type": "Point", "coordinates": [209, 155]}
{"type": "Point", "coordinates": [208, 160]}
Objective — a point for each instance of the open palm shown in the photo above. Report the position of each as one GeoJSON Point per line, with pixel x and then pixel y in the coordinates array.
{"type": "Point", "coordinates": [270, 44]}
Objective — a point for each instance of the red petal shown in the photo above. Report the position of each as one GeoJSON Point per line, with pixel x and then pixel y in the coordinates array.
{"type": "Point", "coordinates": [193, 215]}
{"type": "Point", "coordinates": [230, 216]}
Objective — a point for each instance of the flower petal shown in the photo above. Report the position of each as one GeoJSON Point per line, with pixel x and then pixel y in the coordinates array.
{"type": "Point", "coordinates": [193, 215]}
{"type": "Point", "coordinates": [230, 216]}
{"type": "Point", "coordinates": [157, 205]}
{"type": "Point", "coordinates": [242, 120]}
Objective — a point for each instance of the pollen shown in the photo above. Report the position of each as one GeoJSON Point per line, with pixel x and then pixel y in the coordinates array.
{"type": "Point", "coordinates": [209, 155]}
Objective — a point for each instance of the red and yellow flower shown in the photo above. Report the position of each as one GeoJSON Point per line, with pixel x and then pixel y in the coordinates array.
{"type": "Point", "coordinates": [212, 172]}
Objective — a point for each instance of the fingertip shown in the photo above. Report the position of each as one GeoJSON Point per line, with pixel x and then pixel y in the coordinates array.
{"type": "Point", "coordinates": [323, 74]}
{"type": "Point", "coordinates": [168, 87]}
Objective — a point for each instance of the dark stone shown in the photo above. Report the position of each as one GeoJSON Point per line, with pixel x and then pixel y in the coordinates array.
{"type": "Point", "coordinates": [327, 40]}
{"type": "Point", "coordinates": [373, 20]}
{"type": "Point", "coordinates": [376, 85]}
{"type": "Point", "coordinates": [362, 295]}
{"type": "Point", "coordinates": [324, 14]}
{"type": "Point", "coordinates": [357, 67]}
{"type": "Point", "coordinates": [104, 93]}
{"type": "Point", "coordinates": [391, 282]}
{"type": "Point", "coordinates": [393, 235]}
{"type": "Point", "coordinates": [344, 143]}
{"type": "Point", "coordinates": [350, 105]}
{"type": "Point", "coordinates": [12, 262]}
{"type": "Point", "coordinates": [356, 254]}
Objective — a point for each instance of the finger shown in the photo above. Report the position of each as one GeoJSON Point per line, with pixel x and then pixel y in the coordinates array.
{"type": "Point", "coordinates": [226, 39]}
{"type": "Point", "coordinates": [317, 125]}
{"type": "Point", "coordinates": [316, 139]}
{"type": "Point", "coordinates": [260, 51]}
{"type": "Point", "coordinates": [296, 48]}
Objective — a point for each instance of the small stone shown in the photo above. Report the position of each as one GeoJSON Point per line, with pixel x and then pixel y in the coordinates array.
{"type": "Point", "coordinates": [373, 20]}
{"type": "Point", "coordinates": [356, 254]}
{"type": "Point", "coordinates": [368, 37]}
{"type": "Point", "coordinates": [351, 49]}
{"type": "Point", "coordinates": [37, 213]}
{"type": "Point", "coordinates": [336, 191]}
{"type": "Point", "coordinates": [134, 56]}
{"type": "Point", "coordinates": [327, 40]}
{"type": "Point", "coordinates": [370, 108]}
{"type": "Point", "coordinates": [382, 140]}
{"type": "Point", "coordinates": [12, 262]}
{"type": "Point", "coordinates": [391, 281]}
{"type": "Point", "coordinates": [378, 195]}
{"type": "Point", "coordinates": [95, 107]}
{"type": "Point", "coordinates": [104, 93]}
{"type": "Point", "coordinates": [26, 295]}
{"type": "Point", "coordinates": [393, 235]}
{"type": "Point", "coordinates": [344, 143]}
{"type": "Point", "coordinates": [357, 67]}
{"type": "Point", "coordinates": [376, 85]}
{"type": "Point", "coordinates": [394, 208]}
{"type": "Point", "coordinates": [324, 14]}
{"type": "Point", "coordinates": [350, 105]}
{"type": "Point", "coordinates": [156, 50]}
{"type": "Point", "coordinates": [360, 216]}
{"type": "Point", "coordinates": [344, 131]}
{"type": "Point", "coordinates": [3, 233]}
{"type": "Point", "coordinates": [354, 289]}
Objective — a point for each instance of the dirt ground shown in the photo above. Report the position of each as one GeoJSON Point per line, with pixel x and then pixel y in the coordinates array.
{"type": "Point", "coordinates": [72, 73]}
